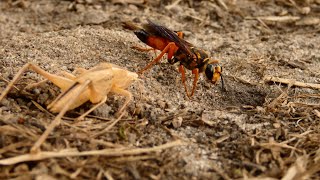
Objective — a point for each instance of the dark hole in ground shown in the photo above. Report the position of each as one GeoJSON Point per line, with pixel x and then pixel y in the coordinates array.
{"type": "Point", "coordinates": [244, 94]}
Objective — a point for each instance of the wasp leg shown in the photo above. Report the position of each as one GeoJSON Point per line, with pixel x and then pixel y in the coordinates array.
{"type": "Point", "coordinates": [196, 77]}
{"type": "Point", "coordinates": [183, 78]}
{"type": "Point", "coordinates": [168, 49]}
{"type": "Point", "coordinates": [57, 119]}
{"type": "Point", "coordinates": [180, 34]}
{"type": "Point", "coordinates": [145, 49]}
{"type": "Point", "coordinates": [142, 48]}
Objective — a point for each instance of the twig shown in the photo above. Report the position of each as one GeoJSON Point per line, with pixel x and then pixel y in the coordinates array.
{"type": "Point", "coordinates": [109, 127]}
{"type": "Point", "coordinates": [105, 152]}
{"type": "Point", "coordinates": [107, 175]}
{"type": "Point", "coordinates": [221, 3]}
{"type": "Point", "coordinates": [289, 81]}
{"type": "Point", "coordinates": [243, 80]}
{"type": "Point", "coordinates": [173, 4]}
{"type": "Point", "coordinates": [298, 104]}
{"type": "Point", "coordinates": [221, 172]}
{"type": "Point", "coordinates": [317, 113]}
{"type": "Point", "coordinates": [263, 24]}
{"type": "Point", "coordinates": [78, 171]}
{"type": "Point", "coordinates": [136, 2]}
{"type": "Point", "coordinates": [14, 146]}
{"type": "Point", "coordinates": [296, 137]}
{"type": "Point", "coordinates": [5, 80]}
{"type": "Point", "coordinates": [279, 18]}
{"type": "Point", "coordinates": [257, 166]}
{"type": "Point", "coordinates": [271, 145]}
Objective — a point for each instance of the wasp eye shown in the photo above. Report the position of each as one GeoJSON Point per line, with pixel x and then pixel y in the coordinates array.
{"type": "Point", "coordinates": [209, 71]}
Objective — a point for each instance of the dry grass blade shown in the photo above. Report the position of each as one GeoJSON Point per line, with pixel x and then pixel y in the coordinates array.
{"type": "Point", "coordinates": [298, 168]}
{"type": "Point", "coordinates": [14, 146]}
{"type": "Point", "coordinates": [280, 18]}
{"type": "Point", "coordinates": [223, 4]}
{"type": "Point", "coordinates": [136, 2]}
{"type": "Point", "coordinates": [5, 80]}
{"type": "Point", "coordinates": [105, 152]}
{"type": "Point", "coordinates": [296, 137]}
{"type": "Point", "coordinates": [109, 127]}
{"type": "Point", "coordinates": [277, 145]}
{"type": "Point", "coordinates": [317, 113]}
{"type": "Point", "coordinates": [221, 172]}
{"type": "Point", "coordinates": [173, 4]}
{"type": "Point", "coordinates": [289, 81]}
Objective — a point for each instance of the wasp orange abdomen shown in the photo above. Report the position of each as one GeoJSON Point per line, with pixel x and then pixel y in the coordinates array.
{"type": "Point", "coordinates": [157, 42]}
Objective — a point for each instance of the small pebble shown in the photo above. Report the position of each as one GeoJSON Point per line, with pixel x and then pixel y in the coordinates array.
{"type": "Point", "coordinates": [177, 122]}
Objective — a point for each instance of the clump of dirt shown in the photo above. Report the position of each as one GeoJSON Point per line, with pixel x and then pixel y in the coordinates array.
{"type": "Point", "coordinates": [257, 127]}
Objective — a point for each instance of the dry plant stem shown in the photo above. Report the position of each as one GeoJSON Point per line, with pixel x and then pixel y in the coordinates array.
{"type": "Point", "coordinates": [105, 152]}
{"type": "Point", "coordinates": [57, 120]}
{"type": "Point", "coordinates": [66, 118]}
{"type": "Point", "coordinates": [93, 108]}
{"type": "Point", "coordinates": [127, 159]}
{"type": "Point", "coordinates": [289, 81]}
{"type": "Point", "coordinates": [109, 127]}
{"type": "Point", "coordinates": [242, 80]}
{"type": "Point", "coordinates": [223, 4]}
{"type": "Point", "coordinates": [14, 146]}
{"type": "Point", "coordinates": [280, 18]}
{"type": "Point", "coordinates": [263, 24]}
{"type": "Point", "coordinates": [277, 100]}
{"type": "Point", "coordinates": [105, 143]}
{"type": "Point", "coordinates": [299, 136]}
{"type": "Point", "coordinates": [175, 3]}
{"type": "Point", "coordinates": [78, 171]}
{"type": "Point", "coordinates": [221, 172]}
{"type": "Point", "coordinates": [107, 175]}
{"type": "Point", "coordinates": [5, 92]}
{"type": "Point", "coordinates": [5, 80]}
{"type": "Point", "coordinates": [317, 113]}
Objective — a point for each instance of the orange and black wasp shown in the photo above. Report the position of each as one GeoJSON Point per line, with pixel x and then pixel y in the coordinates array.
{"type": "Point", "coordinates": [179, 50]}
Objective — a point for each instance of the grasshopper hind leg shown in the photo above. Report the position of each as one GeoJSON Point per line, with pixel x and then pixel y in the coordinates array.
{"type": "Point", "coordinates": [57, 120]}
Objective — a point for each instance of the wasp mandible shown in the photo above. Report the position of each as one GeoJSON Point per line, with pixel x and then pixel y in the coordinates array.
{"type": "Point", "coordinates": [179, 50]}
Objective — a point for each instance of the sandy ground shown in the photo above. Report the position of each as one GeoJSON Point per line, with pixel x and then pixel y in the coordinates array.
{"type": "Point", "coordinates": [254, 129]}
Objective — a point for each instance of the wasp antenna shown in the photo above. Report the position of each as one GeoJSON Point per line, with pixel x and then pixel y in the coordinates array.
{"type": "Point", "coordinates": [129, 25]}
{"type": "Point", "coordinates": [222, 84]}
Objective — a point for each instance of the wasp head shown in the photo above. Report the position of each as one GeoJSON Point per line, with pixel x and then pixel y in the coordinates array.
{"type": "Point", "coordinates": [214, 72]}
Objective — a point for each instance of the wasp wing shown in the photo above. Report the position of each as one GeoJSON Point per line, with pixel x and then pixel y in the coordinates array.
{"type": "Point", "coordinates": [166, 33]}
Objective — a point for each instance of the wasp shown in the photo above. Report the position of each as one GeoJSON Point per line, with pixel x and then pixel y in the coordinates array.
{"type": "Point", "coordinates": [161, 38]}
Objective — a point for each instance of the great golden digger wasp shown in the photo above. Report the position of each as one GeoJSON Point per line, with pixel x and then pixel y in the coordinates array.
{"type": "Point", "coordinates": [179, 50]}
